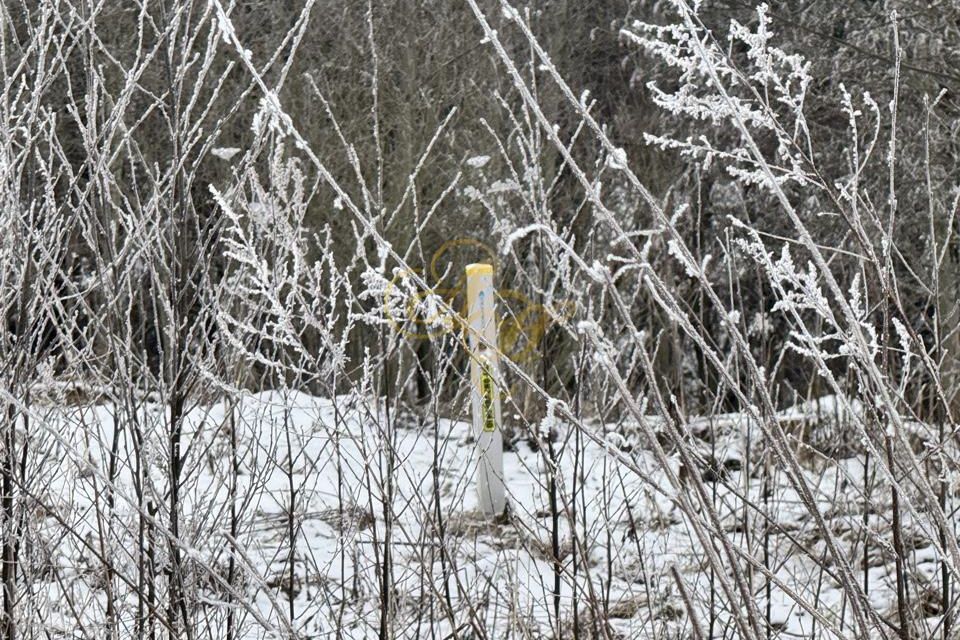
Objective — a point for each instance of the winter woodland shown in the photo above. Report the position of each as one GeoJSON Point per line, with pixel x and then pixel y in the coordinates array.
{"type": "Point", "coordinates": [236, 397]}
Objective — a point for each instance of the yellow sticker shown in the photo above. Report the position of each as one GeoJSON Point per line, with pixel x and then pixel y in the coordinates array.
{"type": "Point", "coordinates": [487, 411]}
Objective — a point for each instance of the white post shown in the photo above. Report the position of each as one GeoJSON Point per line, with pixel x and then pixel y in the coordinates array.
{"type": "Point", "coordinates": [485, 388]}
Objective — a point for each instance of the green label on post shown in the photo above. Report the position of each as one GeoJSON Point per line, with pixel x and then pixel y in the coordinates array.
{"type": "Point", "coordinates": [487, 412]}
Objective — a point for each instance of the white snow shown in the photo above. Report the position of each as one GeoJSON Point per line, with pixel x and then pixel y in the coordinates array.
{"type": "Point", "coordinates": [478, 162]}
{"type": "Point", "coordinates": [225, 153]}
{"type": "Point", "coordinates": [617, 159]}
{"type": "Point", "coordinates": [337, 450]}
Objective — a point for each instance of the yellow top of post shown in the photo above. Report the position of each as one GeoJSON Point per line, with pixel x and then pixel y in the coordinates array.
{"type": "Point", "coordinates": [479, 269]}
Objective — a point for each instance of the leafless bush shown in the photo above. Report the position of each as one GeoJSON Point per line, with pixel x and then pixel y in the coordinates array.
{"type": "Point", "coordinates": [225, 415]}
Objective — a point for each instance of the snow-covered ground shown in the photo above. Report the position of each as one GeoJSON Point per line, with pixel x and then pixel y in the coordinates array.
{"type": "Point", "coordinates": [453, 573]}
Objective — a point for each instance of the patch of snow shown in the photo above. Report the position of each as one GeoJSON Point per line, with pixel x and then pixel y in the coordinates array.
{"type": "Point", "coordinates": [478, 162]}
{"type": "Point", "coordinates": [224, 153]}
{"type": "Point", "coordinates": [617, 159]}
